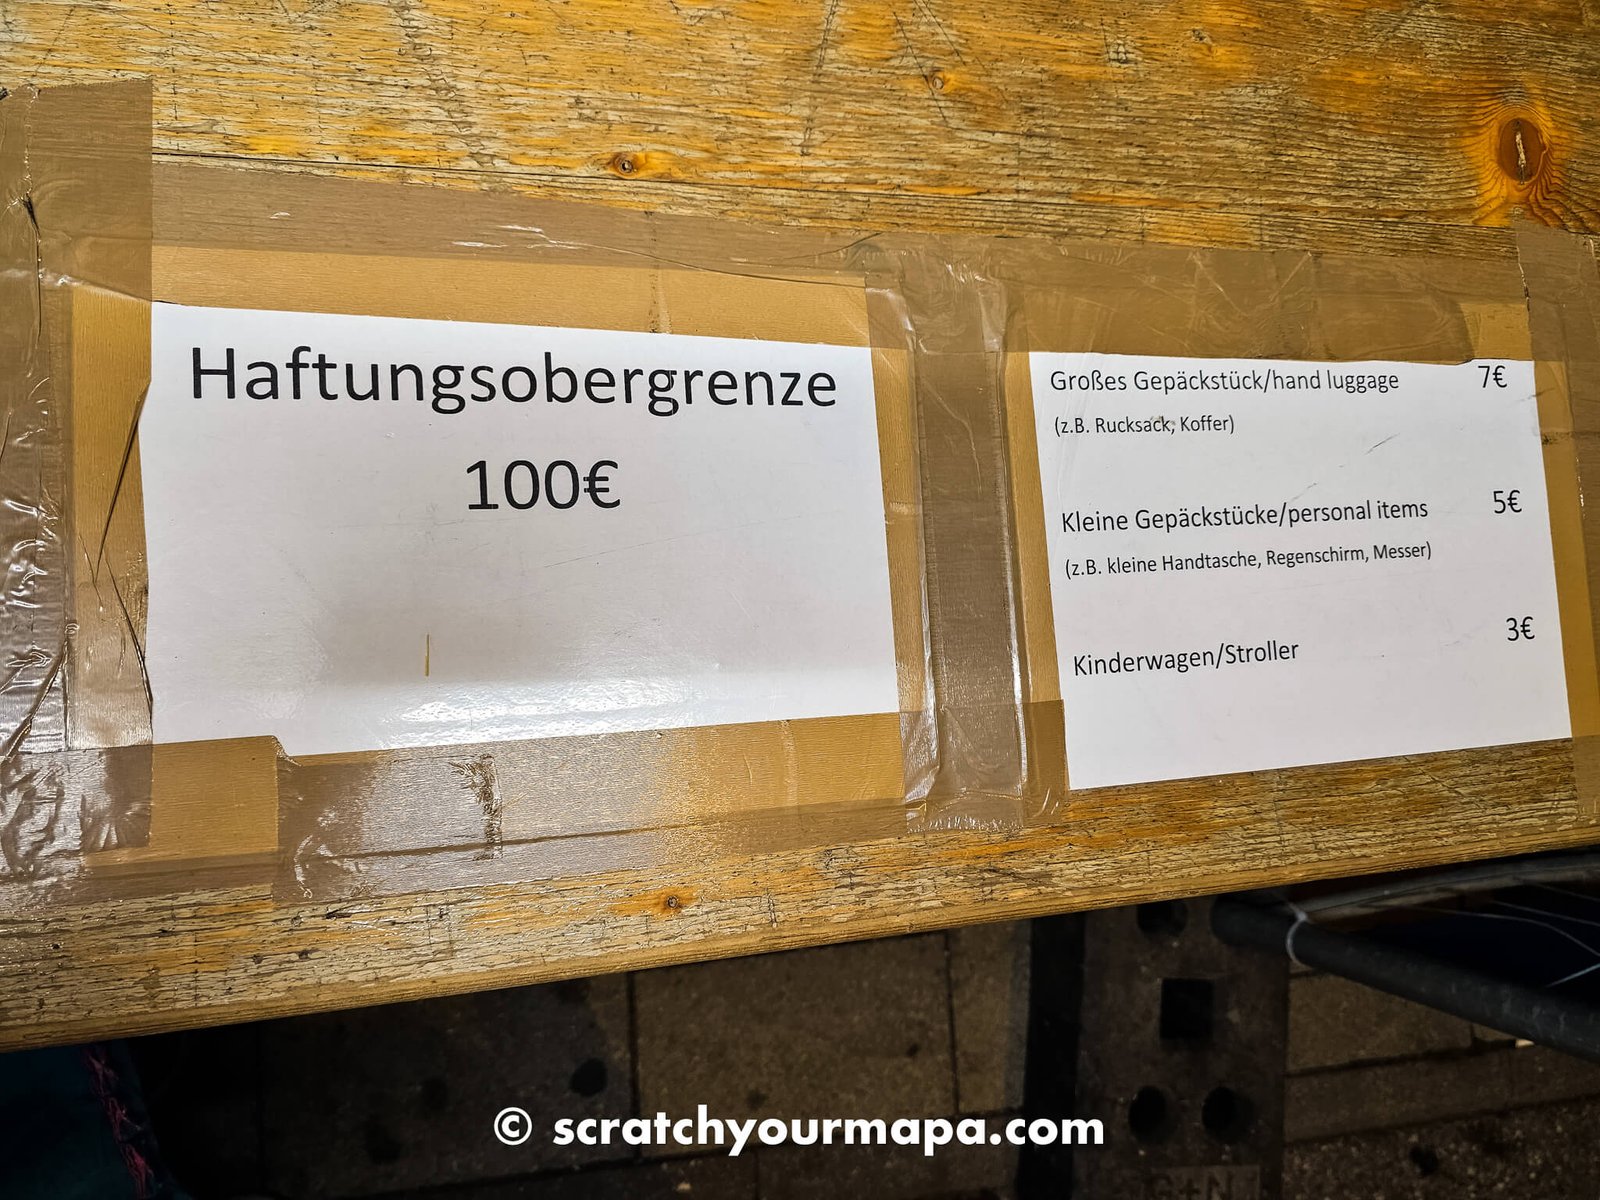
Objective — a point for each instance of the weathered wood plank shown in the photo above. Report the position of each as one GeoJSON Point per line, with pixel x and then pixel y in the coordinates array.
{"type": "Point", "coordinates": [229, 953]}
{"type": "Point", "coordinates": [1389, 127]}
{"type": "Point", "coordinates": [1196, 120]}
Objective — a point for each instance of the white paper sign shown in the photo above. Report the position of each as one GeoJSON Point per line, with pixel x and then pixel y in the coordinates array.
{"type": "Point", "coordinates": [1270, 564]}
{"type": "Point", "coordinates": [408, 532]}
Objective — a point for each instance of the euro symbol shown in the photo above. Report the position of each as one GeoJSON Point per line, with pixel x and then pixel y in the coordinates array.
{"type": "Point", "coordinates": [597, 484]}
{"type": "Point", "coordinates": [1499, 376]}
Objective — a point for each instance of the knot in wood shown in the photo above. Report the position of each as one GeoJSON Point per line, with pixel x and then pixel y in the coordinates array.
{"type": "Point", "coordinates": [1523, 152]}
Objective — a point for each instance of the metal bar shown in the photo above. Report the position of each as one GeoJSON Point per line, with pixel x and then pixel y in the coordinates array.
{"type": "Point", "coordinates": [1423, 887]}
{"type": "Point", "coordinates": [1569, 1025]}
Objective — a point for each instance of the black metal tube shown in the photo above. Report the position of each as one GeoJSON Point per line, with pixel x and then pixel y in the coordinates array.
{"type": "Point", "coordinates": [1561, 1023]}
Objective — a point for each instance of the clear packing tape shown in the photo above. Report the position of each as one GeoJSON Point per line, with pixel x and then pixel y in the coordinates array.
{"type": "Point", "coordinates": [1561, 277]}
{"type": "Point", "coordinates": [94, 230]}
{"type": "Point", "coordinates": [74, 220]}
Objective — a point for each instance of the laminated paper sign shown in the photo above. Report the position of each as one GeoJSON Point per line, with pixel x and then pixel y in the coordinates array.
{"type": "Point", "coordinates": [375, 532]}
{"type": "Point", "coordinates": [1267, 564]}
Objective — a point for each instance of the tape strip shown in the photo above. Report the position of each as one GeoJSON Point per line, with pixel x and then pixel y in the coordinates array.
{"type": "Point", "coordinates": [1562, 282]}
{"type": "Point", "coordinates": [957, 316]}
{"type": "Point", "coordinates": [74, 222]}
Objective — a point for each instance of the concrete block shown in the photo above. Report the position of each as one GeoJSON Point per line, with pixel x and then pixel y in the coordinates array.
{"type": "Point", "coordinates": [1333, 1022]}
{"type": "Point", "coordinates": [404, 1096]}
{"type": "Point", "coordinates": [989, 1003]}
{"type": "Point", "coordinates": [839, 1031]}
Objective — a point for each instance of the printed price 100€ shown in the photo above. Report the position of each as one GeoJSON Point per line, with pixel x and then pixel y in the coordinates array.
{"type": "Point", "coordinates": [560, 484]}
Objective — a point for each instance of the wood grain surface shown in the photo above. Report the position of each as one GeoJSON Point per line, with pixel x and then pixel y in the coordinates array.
{"type": "Point", "coordinates": [1341, 121]}
{"type": "Point", "coordinates": [1395, 126]}
{"type": "Point", "coordinates": [229, 952]}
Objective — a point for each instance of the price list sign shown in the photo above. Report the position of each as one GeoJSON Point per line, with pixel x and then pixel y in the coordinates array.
{"type": "Point", "coordinates": [1270, 564]}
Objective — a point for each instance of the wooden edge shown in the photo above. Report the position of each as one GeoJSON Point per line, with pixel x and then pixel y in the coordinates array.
{"type": "Point", "coordinates": [170, 962]}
